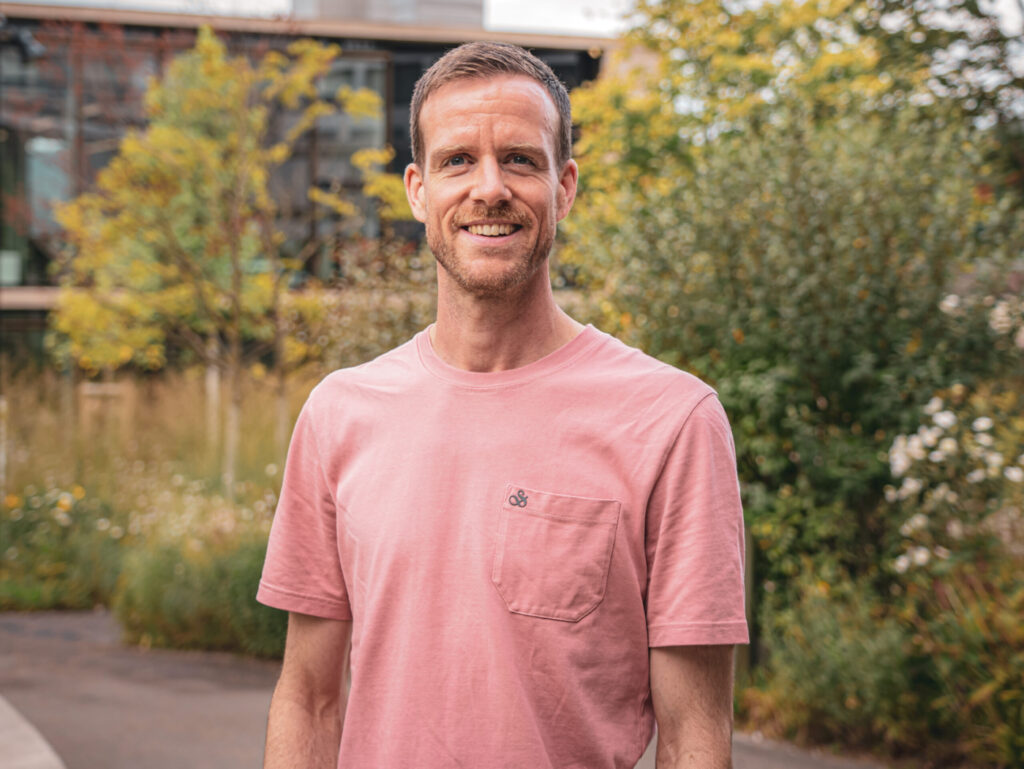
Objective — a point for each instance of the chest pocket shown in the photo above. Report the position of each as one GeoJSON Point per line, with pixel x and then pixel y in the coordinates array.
{"type": "Point", "coordinates": [553, 552]}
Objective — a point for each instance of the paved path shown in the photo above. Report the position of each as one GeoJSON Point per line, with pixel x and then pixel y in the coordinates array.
{"type": "Point", "coordinates": [101, 705]}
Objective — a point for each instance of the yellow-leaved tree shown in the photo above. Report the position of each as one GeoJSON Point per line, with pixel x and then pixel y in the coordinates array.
{"type": "Point", "coordinates": [177, 244]}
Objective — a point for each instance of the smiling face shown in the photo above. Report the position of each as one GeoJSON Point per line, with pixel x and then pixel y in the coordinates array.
{"type": "Point", "coordinates": [490, 191]}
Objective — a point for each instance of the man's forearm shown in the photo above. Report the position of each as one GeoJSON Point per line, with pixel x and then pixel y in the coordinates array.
{"type": "Point", "coordinates": [301, 736]}
{"type": "Point", "coordinates": [691, 687]}
{"type": "Point", "coordinates": [717, 755]}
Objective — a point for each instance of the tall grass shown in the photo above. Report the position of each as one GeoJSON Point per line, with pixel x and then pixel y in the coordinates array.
{"type": "Point", "coordinates": [117, 499]}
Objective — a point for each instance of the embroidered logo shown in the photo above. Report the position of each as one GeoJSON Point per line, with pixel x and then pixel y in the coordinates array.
{"type": "Point", "coordinates": [518, 499]}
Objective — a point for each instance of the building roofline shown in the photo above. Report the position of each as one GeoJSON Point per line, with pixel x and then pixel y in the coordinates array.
{"type": "Point", "coordinates": [331, 28]}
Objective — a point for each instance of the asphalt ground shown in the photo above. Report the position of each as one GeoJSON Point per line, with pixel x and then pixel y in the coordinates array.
{"type": "Point", "coordinates": [76, 697]}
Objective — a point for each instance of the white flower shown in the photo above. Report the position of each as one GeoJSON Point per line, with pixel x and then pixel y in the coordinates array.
{"type": "Point", "coordinates": [899, 462]}
{"type": "Point", "coordinates": [102, 524]}
{"type": "Point", "coordinates": [934, 406]}
{"type": "Point", "coordinates": [937, 457]}
{"type": "Point", "coordinates": [994, 459]}
{"type": "Point", "coordinates": [910, 487]}
{"type": "Point", "coordinates": [930, 435]}
{"type": "Point", "coordinates": [1018, 338]}
{"type": "Point", "coordinates": [891, 495]}
{"type": "Point", "coordinates": [270, 470]}
{"type": "Point", "coordinates": [976, 476]}
{"type": "Point", "coordinates": [955, 529]}
{"type": "Point", "coordinates": [999, 319]}
{"type": "Point", "coordinates": [920, 555]}
{"type": "Point", "coordinates": [62, 518]}
{"type": "Point", "coordinates": [941, 552]}
{"type": "Point", "coordinates": [1014, 473]}
{"type": "Point", "coordinates": [914, 523]}
{"type": "Point", "coordinates": [985, 439]}
{"type": "Point", "coordinates": [915, 447]}
{"type": "Point", "coordinates": [981, 423]}
{"type": "Point", "coordinates": [945, 419]}
{"type": "Point", "coordinates": [949, 304]}
{"type": "Point", "coordinates": [901, 564]}
{"type": "Point", "coordinates": [948, 445]}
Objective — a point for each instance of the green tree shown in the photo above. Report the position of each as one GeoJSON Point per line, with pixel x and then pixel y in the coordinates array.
{"type": "Point", "coordinates": [780, 204]}
{"type": "Point", "coordinates": [177, 243]}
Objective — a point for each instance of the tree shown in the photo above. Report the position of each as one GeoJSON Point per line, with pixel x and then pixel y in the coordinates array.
{"type": "Point", "coordinates": [177, 243]}
{"type": "Point", "coordinates": [780, 206]}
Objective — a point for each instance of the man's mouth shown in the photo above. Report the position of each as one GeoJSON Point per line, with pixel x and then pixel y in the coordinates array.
{"type": "Point", "coordinates": [492, 230]}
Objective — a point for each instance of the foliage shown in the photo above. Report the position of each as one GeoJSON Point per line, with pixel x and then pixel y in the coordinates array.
{"type": "Point", "coordinates": [958, 558]}
{"type": "Point", "coordinates": [801, 272]}
{"type": "Point", "coordinates": [174, 240]}
{"type": "Point", "coordinates": [840, 669]}
{"type": "Point", "coordinates": [62, 549]}
{"type": "Point", "coordinates": [199, 597]}
{"type": "Point", "coordinates": [178, 245]}
{"type": "Point", "coordinates": [968, 628]}
{"type": "Point", "coordinates": [961, 482]}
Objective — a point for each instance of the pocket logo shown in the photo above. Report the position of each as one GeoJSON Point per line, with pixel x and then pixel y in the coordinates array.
{"type": "Point", "coordinates": [518, 499]}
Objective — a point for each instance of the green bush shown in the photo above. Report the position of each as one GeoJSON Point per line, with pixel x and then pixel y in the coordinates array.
{"type": "Point", "coordinates": [840, 669]}
{"type": "Point", "coordinates": [801, 271]}
{"type": "Point", "coordinates": [968, 627]}
{"type": "Point", "coordinates": [62, 550]}
{"type": "Point", "coordinates": [197, 596]}
{"type": "Point", "coordinates": [956, 562]}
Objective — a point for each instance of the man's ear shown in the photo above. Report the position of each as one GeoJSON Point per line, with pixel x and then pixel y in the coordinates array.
{"type": "Point", "coordinates": [414, 192]}
{"type": "Point", "coordinates": [567, 181]}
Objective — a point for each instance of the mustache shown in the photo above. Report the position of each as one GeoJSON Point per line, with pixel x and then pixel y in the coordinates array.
{"type": "Point", "coordinates": [503, 212]}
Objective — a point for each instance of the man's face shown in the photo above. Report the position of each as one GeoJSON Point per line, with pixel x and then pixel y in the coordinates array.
{"type": "Point", "coordinates": [490, 191]}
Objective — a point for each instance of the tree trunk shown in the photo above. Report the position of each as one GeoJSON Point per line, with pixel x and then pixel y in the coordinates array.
{"type": "Point", "coordinates": [212, 391]}
{"type": "Point", "coordinates": [233, 421]}
{"type": "Point", "coordinates": [281, 424]}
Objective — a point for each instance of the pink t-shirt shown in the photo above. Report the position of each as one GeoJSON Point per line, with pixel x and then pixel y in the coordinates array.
{"type": "Point", "coordinates": [508, 545]}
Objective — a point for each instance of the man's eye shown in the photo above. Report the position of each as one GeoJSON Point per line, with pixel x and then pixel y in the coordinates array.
{"type": "Point", "coordinates": [457, 160]}
{"type": "Point", "coordinates": [518, 159]}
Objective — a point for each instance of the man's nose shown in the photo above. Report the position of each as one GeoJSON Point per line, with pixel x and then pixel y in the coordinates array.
{"type": "Point", "coordinates": [489, 183]}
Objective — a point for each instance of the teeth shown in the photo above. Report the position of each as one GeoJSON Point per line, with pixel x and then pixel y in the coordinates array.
{"type": "Point", "coordinates": [491, 230]}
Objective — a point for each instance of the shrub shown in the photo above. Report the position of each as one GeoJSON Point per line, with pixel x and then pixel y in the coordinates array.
{"type": "Point", "coordinates": [957, 563]}
{"type": "Point", "coordinates": [63, 550]}
{"type": "Point", "coordinates": [840, 669]}
{"type": "Point", "coordinates": [801, 270]}
{"type": "Point", "coordinates": [198, 597]}
{"type": "Point", "coordinates": [968, 626]}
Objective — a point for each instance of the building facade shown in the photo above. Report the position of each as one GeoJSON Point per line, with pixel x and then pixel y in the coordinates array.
{"type": "Point", "coordinates": [73, 80]}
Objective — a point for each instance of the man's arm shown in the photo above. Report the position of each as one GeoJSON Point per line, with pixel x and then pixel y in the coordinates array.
{"type": "Point", "coordinates": [308, 706]}
{"type": "Point", "coordinates": [691, 688]}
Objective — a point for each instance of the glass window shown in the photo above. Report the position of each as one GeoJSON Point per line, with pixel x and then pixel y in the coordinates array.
{"type": "Point", "coordinates": [36, 133]}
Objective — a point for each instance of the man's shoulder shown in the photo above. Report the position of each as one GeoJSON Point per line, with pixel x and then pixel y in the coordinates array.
{"type": "Point", "coordinates": [386, 371]}
{"type": "Point", "coordinates": [642, 378]}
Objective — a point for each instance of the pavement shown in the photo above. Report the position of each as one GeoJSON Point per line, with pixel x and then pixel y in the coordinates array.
{"type": "Point", "coordinates": [72, 696]}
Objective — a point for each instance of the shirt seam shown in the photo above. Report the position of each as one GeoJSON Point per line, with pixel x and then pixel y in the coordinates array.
{"type": "Point", "coordinates": [304, 596]}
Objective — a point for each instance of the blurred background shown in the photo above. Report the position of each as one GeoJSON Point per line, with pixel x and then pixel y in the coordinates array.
{"type": "Point", "coordinates": [815, 205]}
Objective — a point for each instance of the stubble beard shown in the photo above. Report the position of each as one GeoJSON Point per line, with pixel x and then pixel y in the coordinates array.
{"type": "Point", "coordinates": [498, 284]}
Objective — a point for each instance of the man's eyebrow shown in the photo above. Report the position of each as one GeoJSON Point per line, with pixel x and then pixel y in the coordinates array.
{"type": "Point", "coordinates": [525, 149]}
{"type": "Point", "coordinates": [448, 151]}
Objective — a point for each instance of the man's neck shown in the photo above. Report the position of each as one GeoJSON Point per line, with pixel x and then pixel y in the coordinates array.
{"type": "Point", "coordinates": [497, 334]}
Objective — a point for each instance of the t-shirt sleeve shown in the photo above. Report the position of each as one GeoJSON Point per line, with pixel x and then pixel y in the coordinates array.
{"type": "Point", "coordinates": [302, 571]}
{"type": "Point", "coordinates": [694, 544]}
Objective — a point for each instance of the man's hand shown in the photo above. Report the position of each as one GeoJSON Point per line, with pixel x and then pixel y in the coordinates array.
{"type": "Point", "coordinates": [308, 706]}
{"type": "Point", "coordinates": [691, 687]}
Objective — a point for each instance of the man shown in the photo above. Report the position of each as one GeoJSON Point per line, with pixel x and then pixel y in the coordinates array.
{"type": "Point", "coordinates": [522, 538]}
